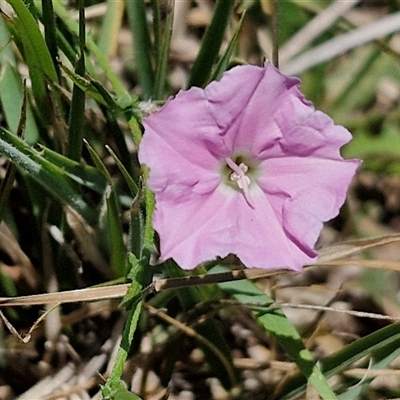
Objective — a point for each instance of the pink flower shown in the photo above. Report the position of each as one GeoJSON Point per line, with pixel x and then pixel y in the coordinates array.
{"type": "Point", "coordinates": [246, 166]}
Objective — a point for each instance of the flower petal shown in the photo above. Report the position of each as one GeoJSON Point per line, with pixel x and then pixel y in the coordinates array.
{"type": "Point", "coordinates": [183, 155]}
{"type": "Point", "coordinates": [309, 191]}
{"type": "Point", "coordinates": [258, 129]}
{"type": "Point", "coordinates": [305, 132]}
{"type": "Point", "coordinates": [222, 223]}
{"type": "Point", "coordinates": [279, 121]}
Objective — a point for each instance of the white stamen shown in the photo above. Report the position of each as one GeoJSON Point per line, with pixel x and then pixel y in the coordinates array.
{"type": "Point", "coordinates": [242, 180]}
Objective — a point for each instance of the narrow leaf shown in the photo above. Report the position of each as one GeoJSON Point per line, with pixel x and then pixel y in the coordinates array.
{"type": "Point", "coordinates": [111, 25]}
{"type": "Point", "coordinates": [163, 56]}
{"type": "Point", "coordinates": [118, 250]}
{"type": "Point", "coordinates": [113, 388]}
{"type": "Point", "coordinates": [211, 44]}
{"type": "Point", "coordinates": [48, 175]}
{"type": "Point", "coordinates": [97, 161]}
{"type": "Point", "coordinates": [88, 85]}
{"type": "Point", "coordinates": [123, 97]}
{"type": "Point", "coordinates": [82, 174]}
{"type": "Point", "coordinates": [142, 45]}
{"type": "Point", "coordinates": [275, 322]}
{"type": "Point", "coordinates": [114, 227]}
{"type": "Point", "coordinates": [11, 89]}
{"type": "Point", "coordinates": [36, 54]}
{"type": "Point", "coordinates": [77, 110]}
{"type": "Point", "coordinates": [383, 342]}
{"type": "Point", "coordinates": [128, 179]}
{"type": "Point", "coordinates": [50, 31]}
{"type": "Point", "coordinates": [223, 63]}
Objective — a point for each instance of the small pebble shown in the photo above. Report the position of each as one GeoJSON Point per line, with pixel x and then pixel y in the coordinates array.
{"type": "Point", "coordinates": [186, 395]}
{"type": "Point", "coordinates": [251, 384]}
{"type": "Point", "coordinates": [217, 391]}
{"type": "Point", "coordinates": [259, 353]}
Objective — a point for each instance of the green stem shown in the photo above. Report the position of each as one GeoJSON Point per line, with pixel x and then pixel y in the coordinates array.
{"type": "Point", "coordinates": [148, 240]}
{"type": "Point", "coordinates": [127, 337]}
{"type": "Point", "coordinates": [112, 389]}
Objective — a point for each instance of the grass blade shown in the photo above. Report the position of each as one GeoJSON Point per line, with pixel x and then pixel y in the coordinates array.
{"type": "Point", "coordinates": [223, 63]}
{"type": "Point", "coordinates": [128, 179]}
{"type": "Point", "coordinates": [276, 323]}
{"type": "Point", "coordinates": [163, 55]}
{"type": "Point", "coordinates": [118, 258]}
{"type": "Point", "coordinates": [36, 54]}
{"type": "Point", "coordinates": [48, 175]}
{"type": "Point", "coordinates": [83, 174]}
{"type": "Point", "coordinates": [50, 35]}
{"type": "Point", "coordinates": [11, 96]}
{"type": "Point", "coordinates": [211, 44]}
{"type": "Point", "coordinates": [380, 344]}
{"type": "Point", "coordinates": [112, 21]}
{"type": "Point", "coordinates": [124, 99]}
{"type": "Point", "coordinates": [142, 45]}
{"type": "Point", "coordinates": [77, 110]}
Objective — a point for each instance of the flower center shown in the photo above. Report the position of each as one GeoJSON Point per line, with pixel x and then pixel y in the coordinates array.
{"type": "Point", "coordinates": [240, 178]}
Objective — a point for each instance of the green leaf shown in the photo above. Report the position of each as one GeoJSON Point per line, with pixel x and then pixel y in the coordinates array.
{"type": "Point", "coordinates": [211, 43]}
{"type": "Point", "coordinates": [11, 89]}
{"type": "Point", "coordinates": [136, 227]}
{"type": "Point", "coordinates": [163, 56]}
{"type": "Point", "coordinates": [116, 234]}
{"type": "Point", "coordinates": [114, 227]}
{"type": "Point", "coordinates": [50, 34]}
{"type": "Point", "coordinates": [48, 175]}
{"type": "Point", "coordinates": [381, 345]}
{"type": "Point", "coordinates": [381, 357]}
{"type": "Point", "coordinates": [223, 63]}
{"type": "Point", "coordinates": [142, 45]}
{"type": "Point", "coordinates": [83, 174]}
{"type": "Point", "coordinates": [275, 322]}
{"type": "Point", "coordinates": [124, 99]}
{"type": "Point", "coordinates": [98, 92]}
{"type": "Point", "coordinates": [76, 119]}
{"type": "Point", "coordinates": [98, 163]}
{"type": "Point", "coordinates": [117, 391]}
{"type": "Point", "coordinates": [110, 28]}
{"type": "Point", "coordinates": [36, 54]}
{"type": "Point", "coordinates": [135, 275]}
{"type": "Point", "coordinates": [88, 85]}
{"type": "Point", "coordinates": [128, 179]}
